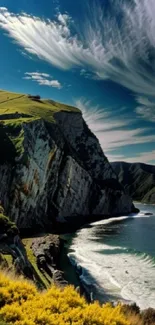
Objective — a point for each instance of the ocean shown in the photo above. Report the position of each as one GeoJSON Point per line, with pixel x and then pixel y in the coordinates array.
{"type": "Point", "coordinates": [115, 258]}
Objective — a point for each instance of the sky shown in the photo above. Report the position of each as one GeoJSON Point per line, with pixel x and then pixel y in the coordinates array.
{"type": "Point", "coordinates": [98, 55]}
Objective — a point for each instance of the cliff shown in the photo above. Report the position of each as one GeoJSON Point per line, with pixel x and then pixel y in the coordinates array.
{"type": "Point", "coordinates": [138, 180]}
{"type": "Point", "coordinates": [11, 244]}
{"type": "Point", "coordinates": [36, 258]}
{"type": "Point", "coordinates": [52, 168]}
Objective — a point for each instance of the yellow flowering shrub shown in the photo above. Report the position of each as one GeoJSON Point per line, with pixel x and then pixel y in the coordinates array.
{"type": "Point", "coordinates": [22, 304]}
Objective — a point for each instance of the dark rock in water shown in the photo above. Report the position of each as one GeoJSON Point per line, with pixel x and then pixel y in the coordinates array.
{"type": "Point", "coordinates": [55, 169]}
{"type": "Point", "coordinates": [148, 214]}
{"type": "Point", "coordinates": [135, 210]}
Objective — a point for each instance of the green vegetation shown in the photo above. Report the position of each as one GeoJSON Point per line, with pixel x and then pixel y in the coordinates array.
{"type": "Point", "coordinates": [43, 278]}
{"type": "Point", "coordinates": [8, 151]}
{"type": "Point", "coordinates": [22, 304]}
{"type": "Point", "coordinates": [8, 259]}
{"type": "Point", "coordinates": [137, 317]}
{"type": "Point", "coordinates": [2, 322]}
{"type": "Point", "coordinates": [18, 109]}
{"type": "Point", "coordinates": [12, 103]}
{"type": "Point", "coordinates": [18, 142]}
{"type": "Point", "coordinates": [8, 230]}
{"type": "Point", "coordinates": [6, 226]}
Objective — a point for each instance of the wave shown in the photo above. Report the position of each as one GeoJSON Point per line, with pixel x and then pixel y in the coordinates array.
{"type": "Point", "coordinates": [113, 272]}
{"type": "Point", "coordinates": [141, 214]}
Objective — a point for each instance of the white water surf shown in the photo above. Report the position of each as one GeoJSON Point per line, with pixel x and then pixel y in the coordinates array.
{"type": "Point", "coordinates": [113, 272]}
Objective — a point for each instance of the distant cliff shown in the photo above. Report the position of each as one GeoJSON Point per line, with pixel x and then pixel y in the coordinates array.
{"type": "Point", "coordinates": [52, 168]}
{"type": "Point", "coordinates": [138, 179]}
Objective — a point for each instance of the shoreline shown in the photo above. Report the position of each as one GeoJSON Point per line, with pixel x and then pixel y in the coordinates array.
{"type": "Point", "coordinates": [65, 273]}
{"type": "Point", "coordinates": [52, 264]}
{"type": "Point", "coordinates": [72, 276]}
{"type": "Point", "coordinates": [69, 270]}
{"type": "Point", "coordinates": [139, 202]}
{"type": "Point", "coordinates": [88, 289]}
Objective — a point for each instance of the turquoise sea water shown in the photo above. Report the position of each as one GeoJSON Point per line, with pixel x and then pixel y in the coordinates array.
{"type": "Point", "coordinates": [115, 258]}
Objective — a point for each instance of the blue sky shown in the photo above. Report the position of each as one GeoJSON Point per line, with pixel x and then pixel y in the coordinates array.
{"type": "Point", "coordinates": [98, 55]}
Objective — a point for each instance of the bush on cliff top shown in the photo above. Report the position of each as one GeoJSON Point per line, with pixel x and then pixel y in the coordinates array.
{"type": "Point", "coordinates": [22, 304]}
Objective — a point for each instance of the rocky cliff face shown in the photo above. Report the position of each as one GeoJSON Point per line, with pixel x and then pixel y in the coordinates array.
{"type": "Point", "coordinates": [56, 170]}
{"type": "Point", "coordinates": [138, 180]}
{"type": "Point", "coordinates": [11, 244]}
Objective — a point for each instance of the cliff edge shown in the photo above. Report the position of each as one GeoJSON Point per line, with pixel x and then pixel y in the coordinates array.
{"type": "Point", "coordinates": [52, 168]}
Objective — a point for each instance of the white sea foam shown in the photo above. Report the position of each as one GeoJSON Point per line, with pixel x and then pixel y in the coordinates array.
{"type": "Point", "coordinates": [113, 271]}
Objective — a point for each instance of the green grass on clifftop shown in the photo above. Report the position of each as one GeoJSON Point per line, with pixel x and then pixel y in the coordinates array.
{"type": "Point", "coordinates": [11, 103]}
{"type": "Point", "coordinates": [16, 109]}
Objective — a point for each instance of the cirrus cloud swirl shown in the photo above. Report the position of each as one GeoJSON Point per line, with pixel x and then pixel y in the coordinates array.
{"type": "Point", "coordinates": [115, 43]}
{"type": "Point", "coordinates": [118, 46]}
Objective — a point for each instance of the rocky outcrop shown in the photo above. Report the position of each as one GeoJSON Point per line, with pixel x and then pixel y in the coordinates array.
{"type": "Point", "coordinates": [138, 180]}
{"type": "Point", "coordinates": [14, 247]}
{"type": "Point", "coordinates": [11, 244]}
{"type": "Point", "coordinates": [59, 171]}
{"type": "Point", "coordinates": [47, 250]}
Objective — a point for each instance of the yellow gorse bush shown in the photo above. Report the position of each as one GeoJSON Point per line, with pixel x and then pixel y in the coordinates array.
{"type": "Point", "coordinates": [22, 304]}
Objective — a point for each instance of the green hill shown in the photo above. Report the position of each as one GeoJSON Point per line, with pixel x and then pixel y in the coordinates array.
{"type": "Point", "coordinates": [16, 109]}
{"type": "Point", "coordinates": [32, 106]}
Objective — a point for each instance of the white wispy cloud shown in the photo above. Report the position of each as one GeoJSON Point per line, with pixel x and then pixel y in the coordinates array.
{"type": "Point", "coordinates": [43, 79]}
{"type": "Point", "coordinates": [98, 118]}
{"type": "Point", "coordinates": [123, 43]}
{"type": "Point", "coordinates": [88, 75]}
{"type": "Point", "coordinates": [113, 132]}
{"type": "Point", "coordinates": [115, 157]}
{"type": "Point", "coordinates": [146, 108]}
{"type": "Point", "coordinates": [119, 45]}
{"type": "Point", "coordinates": [64, 19]}
{"type": "Point", "coordinates": [49, 40]}
{"type": "Point", "coordinates": [3, 8]}
{"type": "Point", "coordinates": [145, 157]}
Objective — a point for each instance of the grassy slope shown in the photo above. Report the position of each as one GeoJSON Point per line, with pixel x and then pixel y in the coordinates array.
{"type": "Point", "coordinates": [44, 278]}
{"type": "Point", "coordinates": [11, 103]}
{"type": "Point", "coordinates": [11, 131]}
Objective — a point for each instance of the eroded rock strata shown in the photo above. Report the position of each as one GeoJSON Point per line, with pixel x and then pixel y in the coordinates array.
{"type": "Point", "coordinates": [138, 180]}
{"type": "Point", "coordinates": [53, 169]}
{"type": "Point", "coordinates": [47, 250]}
